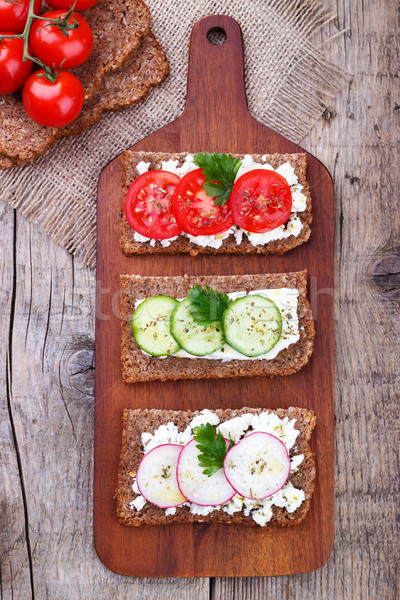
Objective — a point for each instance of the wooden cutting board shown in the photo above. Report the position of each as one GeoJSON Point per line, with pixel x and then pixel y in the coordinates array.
{"type": "Point", "coordinates": [216, 118]}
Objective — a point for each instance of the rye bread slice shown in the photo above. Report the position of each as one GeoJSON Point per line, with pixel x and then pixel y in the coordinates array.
{"type": "Point", "coordinates": [135, 422]}
{"type": "Point", "coordinates": [127, 85]}
{"type": "Point", "coordinates": [137, 366]}
{"type": "Point", "coordinates": [118, 28]}
{"type": "Point", "coordinates": [182, 244]}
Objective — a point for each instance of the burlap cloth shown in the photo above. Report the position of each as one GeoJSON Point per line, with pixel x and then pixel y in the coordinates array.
{"type": "Point", "coordinates": [287, 77]}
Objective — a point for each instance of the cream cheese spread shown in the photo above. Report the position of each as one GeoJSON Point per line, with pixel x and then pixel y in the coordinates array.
{"type": "Point", "coordinates": [292, 227]}
{"type": "Point", "coordinates": [288, 497]}
{"type": "Point", "coordinates": [286, 300]}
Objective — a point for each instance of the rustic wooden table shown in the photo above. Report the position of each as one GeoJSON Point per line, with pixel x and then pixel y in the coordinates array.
{"type": "Point", "coordinates": [46, 418]}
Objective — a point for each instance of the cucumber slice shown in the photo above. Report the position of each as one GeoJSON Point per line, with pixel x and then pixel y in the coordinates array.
{"type": "Point", "coordinates": [150, 326]}
{"type": "Point", "coordinates": [252, 325]}
{"type": "Point", "coordinates": [195, 339]}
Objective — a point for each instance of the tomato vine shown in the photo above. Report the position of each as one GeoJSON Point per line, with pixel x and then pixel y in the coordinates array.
{"type": "Point", "coordinates": [49, 73]}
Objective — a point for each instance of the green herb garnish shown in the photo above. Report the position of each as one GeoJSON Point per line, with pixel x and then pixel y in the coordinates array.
{"type": "Point", "coordinates": [219, 171]}
{"type": "Point", "coordinates": [212, 448]}
{"type": "Point", "coordinates": [207, 305]}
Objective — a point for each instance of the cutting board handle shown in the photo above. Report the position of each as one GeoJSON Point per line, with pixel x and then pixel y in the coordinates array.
{"type": "Point", "coordinates": [216, 76]}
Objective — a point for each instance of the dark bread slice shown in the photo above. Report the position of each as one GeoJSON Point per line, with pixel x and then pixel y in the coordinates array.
{"type": "Point", "coordinates": [182, 244]}
{"type": "Point", "coordinates": [118, 27]}
{"type": "Point", "coordinates": [21, 139]}
{"type": "Point", "coordinates": [135, 422]}
{"type": "Point", "coordinates": [127, 85]}
{"type": "Point", "coordinates": [137, 366]}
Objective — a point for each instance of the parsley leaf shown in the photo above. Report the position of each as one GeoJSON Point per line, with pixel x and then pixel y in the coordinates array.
{"type": "Point", "coordinates": [207, 305]}
{"type": "Point", "coordinates": [212, 448]}
{"type": "Point", "coordinates": [219, 171]}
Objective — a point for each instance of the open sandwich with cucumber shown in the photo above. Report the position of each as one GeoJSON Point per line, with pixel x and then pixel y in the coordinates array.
{"type": "Point", "coordinates": [214, 203]}
{"type": "Point", "coordinates": [214, 326]}
{"type": "Point", "coordinates": [251, 466]}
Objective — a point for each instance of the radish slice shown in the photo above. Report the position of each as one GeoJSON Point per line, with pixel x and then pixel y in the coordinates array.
{"type": "Point", "coordinates": [257, 466]}
{"type": "Point", "coordinates": [156, 476]}
{"type": "Point", "coordinates": [197, 487]}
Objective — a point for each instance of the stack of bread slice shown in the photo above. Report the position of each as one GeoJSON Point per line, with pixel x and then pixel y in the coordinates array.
{"type": "Point", "coordinates": [126, 62]}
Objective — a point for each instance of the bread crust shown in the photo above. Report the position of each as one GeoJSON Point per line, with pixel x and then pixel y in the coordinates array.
{"type": "Point", "coordinates": [137, 366]}
{"type": "Point", "coordinates": [137, 421]}
{"type": "Point", "coordinates": [182, 244]}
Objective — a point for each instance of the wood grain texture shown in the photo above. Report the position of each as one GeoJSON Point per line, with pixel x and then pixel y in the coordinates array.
{"type": "Point", "coordinates": [364, 564]}
{"type": "Point", "coordinates": [217, 120]}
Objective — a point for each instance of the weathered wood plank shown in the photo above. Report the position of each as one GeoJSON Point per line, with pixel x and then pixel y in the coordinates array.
{"type": "Point", "coordinates": [51, 399]}
{"type": "Point", "coordinates": [15, 556]}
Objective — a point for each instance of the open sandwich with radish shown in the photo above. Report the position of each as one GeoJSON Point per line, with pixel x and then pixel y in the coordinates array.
{"type": "Point", "coordinates": [250, 466]}
{"type": "Point", "coordinates": [214, 203]}
{"type": "Point", "coordinates": [195, 327]}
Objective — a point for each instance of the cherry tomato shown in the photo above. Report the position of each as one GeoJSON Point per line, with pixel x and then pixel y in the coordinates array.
{"type": "Point", "coordinates": [53, 104]}
{"type": "Point", "coordinates": [54, 47]}
{"type": "Point", "coordinates": [148, 206]}
{"type": "Point", "coordinates": [195, 212]}
{"type": "Point", "coordinates": [13, 14]}
{"type": "Point", "coordinates": [13, 70]}
{"type": "Point", "coordinates": [261, 200]}
{"type": "Point", "coordinates": [66, 4]}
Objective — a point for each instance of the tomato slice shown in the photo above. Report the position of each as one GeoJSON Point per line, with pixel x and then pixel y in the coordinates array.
{"type": "Point", "coordinates": [148, 205]}
{"type": "Point", "coordinates": [195, 212]}
{"type": "Point", "coordinates": [261, 200]}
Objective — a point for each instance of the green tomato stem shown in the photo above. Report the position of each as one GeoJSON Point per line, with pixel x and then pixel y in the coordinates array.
{"type": "Point", "coordinates": [62, 23]}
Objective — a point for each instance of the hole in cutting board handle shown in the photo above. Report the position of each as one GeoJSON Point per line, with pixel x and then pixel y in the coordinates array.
{"type": "Point", "coordinates": [216, 36]}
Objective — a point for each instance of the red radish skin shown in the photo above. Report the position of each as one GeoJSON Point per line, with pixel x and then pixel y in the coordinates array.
{"type": "Point", "coordinates": [159, 458]}
{"type": "Point", "coordinates": [268, 440]}
{"type": "Point", "coordinates": [208, 491]}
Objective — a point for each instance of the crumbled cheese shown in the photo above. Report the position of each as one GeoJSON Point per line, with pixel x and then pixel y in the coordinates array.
{"type": "Point", "coordinates": [236, 427]}
{"type": "Point", "coordinates": [138, 503]}
{"type": "Point", "coordinates": [249, 164]}
{"type": "Point", "coordinates": [293, 227]}
{"type": "Point", "coordinates": [267, 422]}
{"type": "Point", "coordinates": [196, 509]}
{"type": "Point", "coordinates": [293, 497]}
{"type": "Point", "coordinates": [262, 515]}
{"type": "Point", "coordinates": [206, 416]}
{"type": "Point", "coordinates": [238, 235]}
{"type": "Point", "coordinates": [172, 166]}
{"type": "Point", "coordinates": [288, 497]}
{"type": "Point", "coordinates": [142, 167]}
{"type": "Point", "coordinates": [166, 243]}
{"type": "Point", "coordinates": [299, 201]}
{"type": "Point", "coordinates": [295, 462]}
{"type": "Point", "coordinates": [288, 173]}
{"type": "Point", "coordinates": [170, 511]}
{"type": "Point", "coordinates": [141, 238]}
{"type": "Point", "coordinates": [235, 504]}
{"type": "Point", "coordinates": [213, 241]}
{"type": "Point", "coordinates": [281, 428]}
{"type": "Point", "coordinates": [165, 434]}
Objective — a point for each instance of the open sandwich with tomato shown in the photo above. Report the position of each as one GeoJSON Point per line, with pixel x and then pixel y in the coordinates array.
{"type": "Point", "coordinates": [202, 327]}
{"type": "Point", "coordinates": [214, 203]}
